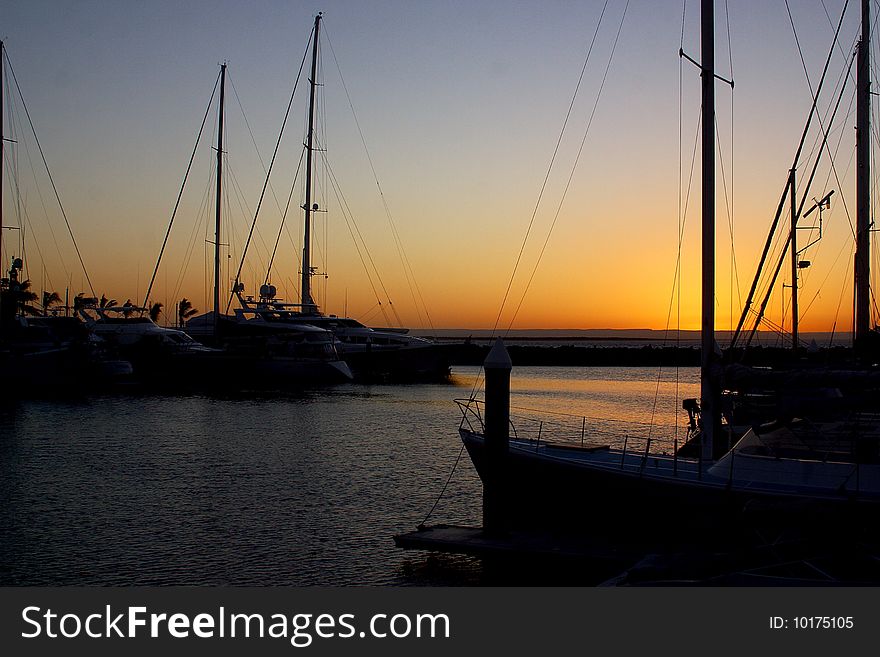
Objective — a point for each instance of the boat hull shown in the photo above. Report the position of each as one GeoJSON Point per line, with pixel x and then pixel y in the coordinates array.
{"type": "Point", "coordinates": [400, 365]}
{"type": "Point", "coordinates": [645, 498]}
{"type": "Point", "coordinates": [61, 371]}
{"type": "Point", "coordinates": [232, 371]}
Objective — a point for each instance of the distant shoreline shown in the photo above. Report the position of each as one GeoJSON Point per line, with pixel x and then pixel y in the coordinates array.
{"type": "Point", "coordinates": [646, 336]}
{"type": "Point", "coordinates": [633, 355]}
{"type": "Point", "coordinates": [631, 347]}
{"type": "Point", "coordinates": [561, 338]}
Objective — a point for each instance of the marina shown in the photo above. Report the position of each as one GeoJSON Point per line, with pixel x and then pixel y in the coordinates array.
{"type": "Point", "coordinates": [303, 429]}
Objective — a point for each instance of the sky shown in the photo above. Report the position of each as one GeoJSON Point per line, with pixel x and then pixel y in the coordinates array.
{"type": "Point", "coordinates": [439, 121]}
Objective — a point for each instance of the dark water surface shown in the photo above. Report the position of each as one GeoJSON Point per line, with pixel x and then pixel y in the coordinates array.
{"type": "Point", "coordinates": [296, 489]}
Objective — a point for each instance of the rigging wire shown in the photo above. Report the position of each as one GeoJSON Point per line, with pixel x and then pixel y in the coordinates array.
{"type": "Point", "coordinates": [874, 268]}
{"type": "Point", "coordinates": [12, 166]}
{"type": "Point", "coordinates": [478, 378]}
{"type": "Point", "coordinates": [676, 277]}
{"type": "Point", "coordinates": [837, 312]}
{"type": "Point", "coordinates": [359, 243]}
{"type": "Point", "coordinates": [180, 193]}
{"type": "Point", "coordinates": [371, 270]}
{"type": "Point", "coordinates": [734, 271]}
{"type": "Point", "coordinates": [820, 143]}
{"type": "Point", "coordinates": [322, 138]}
{"type": "Point", "coordinates": [549, 168]}
{"type": "Point", "coordinates": [281, 211]}
{"type": "Point", "coordinates": [747, 309]}
{"type": "Point", "coordinates": [824, 132]}
{"type": "Point", "coordinates": [824, 146]}
{"type": "Point", "coordinates": [283, 220]}
{"type": "Point", "coordinates": [571, 173]}
{"type": "Point", "coordinates": [49, 174]}
{"type": "Point", "coordinates": [445, 486]}
{"type": "Point", "coordinates": [201, 221]}
{"type": "Point", "coordinates": [873, 194]}
{"type": "Point", "coordinates": [271, 166]}
{"type": "Point", "coordinates": [831, 172]}
{"type": "Point", "coordinates": [321, 186]}
{"type": "Point", "coordinates": [251, 134]}
{"type": "Point", "coordinates": [242, 205]}
{"type": "Point", "coordinates": [675, 295]}
{"type": "Point", "coordinates": [409, 273]}
{"type": "Point", "coordinates": [24, 221]}
{"type": "Point", "coordinates": [728, 204]}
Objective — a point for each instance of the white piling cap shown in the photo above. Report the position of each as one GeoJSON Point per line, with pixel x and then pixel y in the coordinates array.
{"type": "Point", "coordinates": [498, 358]}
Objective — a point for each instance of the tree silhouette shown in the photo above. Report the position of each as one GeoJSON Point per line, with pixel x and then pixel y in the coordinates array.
{"type": "Point", "coordinates": [185, 310]}
{"type": "Point", "coordinates": [25, 298]}
{"type": "Point", "coordinates": [49, 300]}
{"type": "Point", "coordinates": [155, 311]}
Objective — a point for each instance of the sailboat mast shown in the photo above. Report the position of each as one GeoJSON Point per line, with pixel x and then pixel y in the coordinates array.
{"type": "Point", "coordinates": [709, 391]}
{"type": "Point", "coordinates": [863, 182]}
{"type": "Point", "coordinates": [794, 267]}
{"type": "Point", "coordinates": [308, 305]}
{"type": "Point", "coordinates": [219, 198]}
{"type": "Point", "coordinates": [2, 155]}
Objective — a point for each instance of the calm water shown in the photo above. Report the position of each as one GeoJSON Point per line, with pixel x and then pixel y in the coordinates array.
{"type": "Point", "coordinates": [304, 489]}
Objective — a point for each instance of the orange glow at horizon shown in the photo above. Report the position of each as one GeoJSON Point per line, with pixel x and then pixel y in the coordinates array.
{"type": "Point", "coordinates": [461, 159]}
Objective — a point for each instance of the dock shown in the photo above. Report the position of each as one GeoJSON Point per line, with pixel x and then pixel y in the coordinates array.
{"type": "Point", "coordinates": [474, 541]}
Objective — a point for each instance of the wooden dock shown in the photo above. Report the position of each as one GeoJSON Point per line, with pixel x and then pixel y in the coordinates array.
{"type": "Point", "coordinates": [592, 561]}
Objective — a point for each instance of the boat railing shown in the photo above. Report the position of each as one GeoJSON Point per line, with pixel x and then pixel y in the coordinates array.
{"type": "Point", "coordinates": [568, 430]}
{"type": "Point", "coordinates": [471, 414]}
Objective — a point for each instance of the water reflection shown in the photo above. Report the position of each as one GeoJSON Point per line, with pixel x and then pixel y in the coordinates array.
{"type": "Point", "coordinates": [283, 489]}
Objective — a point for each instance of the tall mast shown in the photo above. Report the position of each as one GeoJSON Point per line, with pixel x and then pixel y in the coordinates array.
{"type": "Point", "coordinates": [308, 304]}
{"type": "Point", "coordinates": [709, 385]}
{"type": "Point", "coordinates": [863, 182]}
{"type": "Point", "coordinates": [794, 267]}
{"type": "Point", "coordinates": [219, 199]}
{"type": "Point", "coordinates": [2, 154]}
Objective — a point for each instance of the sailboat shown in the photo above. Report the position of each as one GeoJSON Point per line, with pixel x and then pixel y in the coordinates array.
{"type": "Point", "coordinates": [806, 381]}
{"type": "Point", "coordinates": [813, 478]}
{"type": "Point", "coordinates": [247, 352]}
{"type": "Point", "coordinates": [41, 351]}
{"type": "Point", "coordinates": [383, 354]}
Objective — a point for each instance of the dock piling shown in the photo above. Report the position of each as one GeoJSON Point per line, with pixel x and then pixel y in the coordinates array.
{"type": "Point", "coordinates": [497, 435]}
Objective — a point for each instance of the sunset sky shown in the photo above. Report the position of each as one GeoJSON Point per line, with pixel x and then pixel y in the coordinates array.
{"type": "Point", "coordinates": [460, 105]}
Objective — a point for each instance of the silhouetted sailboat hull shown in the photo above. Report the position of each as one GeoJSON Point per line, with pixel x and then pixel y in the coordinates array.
{"type": "Point", "coordinates": [419, 364]}
{"type": "Point", "coordinates": [62, 370]}
{"type": "Point", "coordinates": [232, 370]}
{"type": "Point", "coordinates": [56, 355]}
{"type": "Point", "coordinates": [247, 371]}
{"type": "Point", "coordinates": [627, 495]}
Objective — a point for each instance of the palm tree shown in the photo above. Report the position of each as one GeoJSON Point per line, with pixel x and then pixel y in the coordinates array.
{"type": "Point", "coordinates": [25, 298]}
{"type": "Point", "coordinates": [50, 299]}
{"type": "Point", "coordinates": [81, 301]}
{"type": "Point", "coordinates": [17, 297]}
{"type": "Point", "coordinates": [107, 303]}
{"type": "Point", "coordinates": [185, 310]}
{"type": "Point", "coordinates": [155, 311]}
